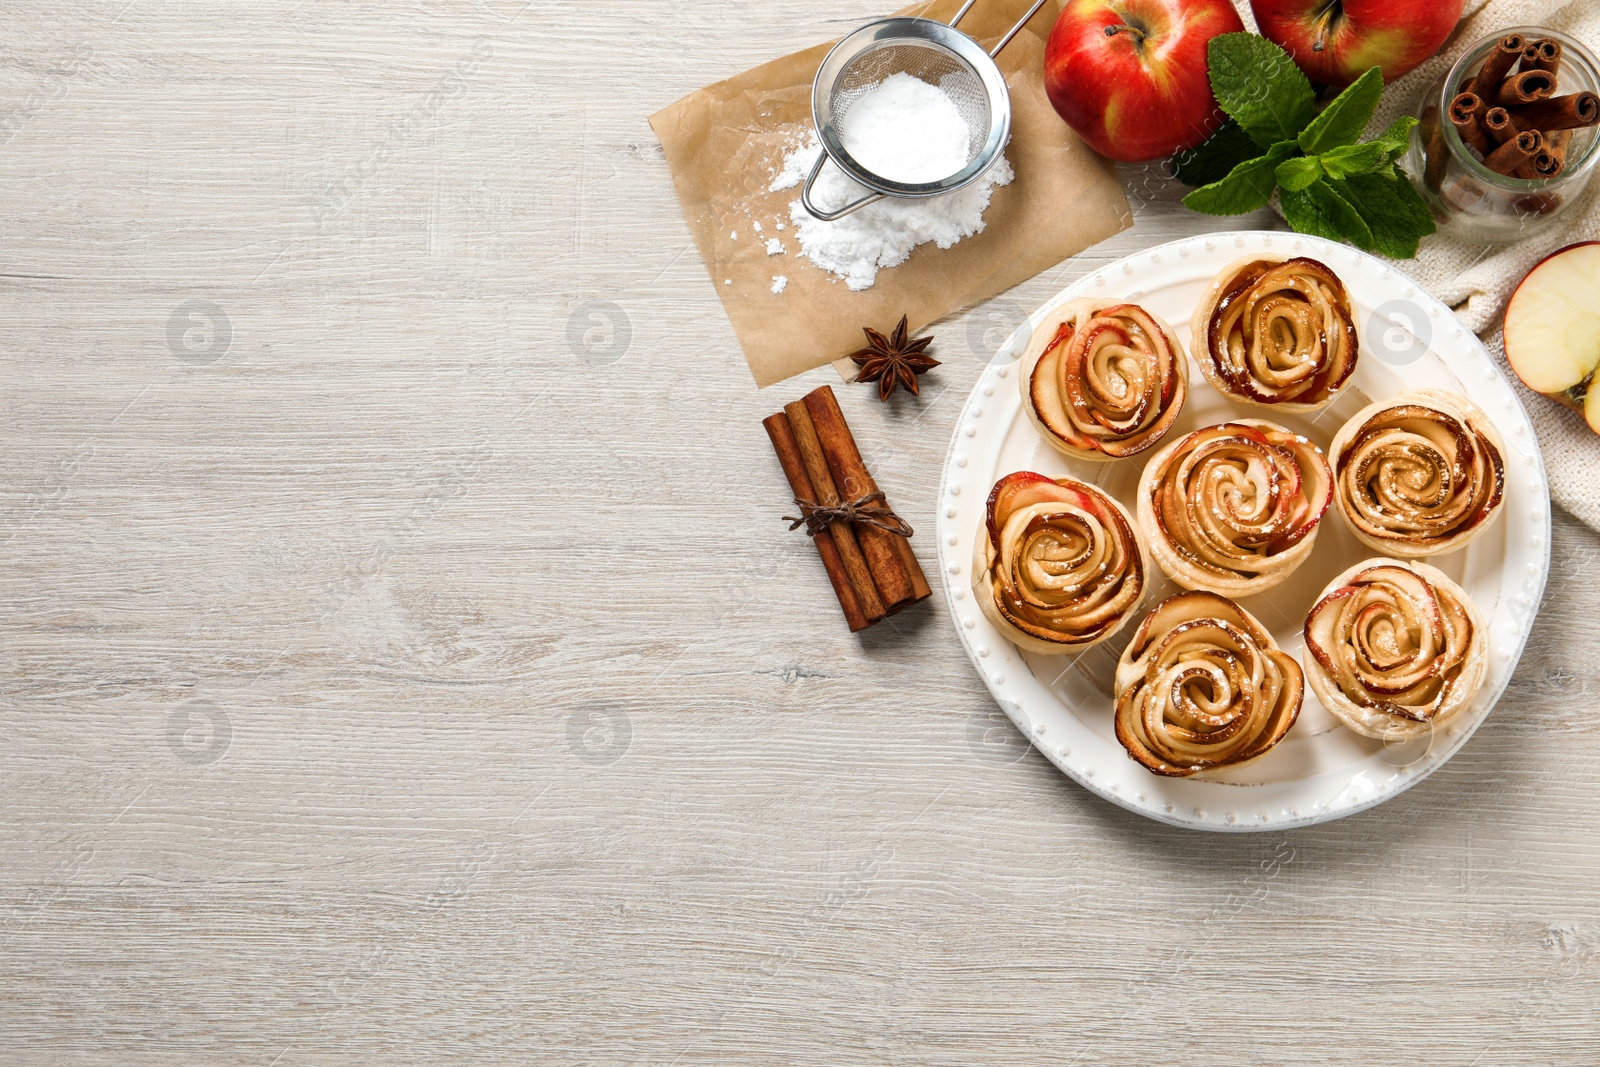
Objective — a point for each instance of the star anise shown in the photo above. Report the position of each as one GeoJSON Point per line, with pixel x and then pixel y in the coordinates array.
{"type": "Point", "coordinates": [893, 361]}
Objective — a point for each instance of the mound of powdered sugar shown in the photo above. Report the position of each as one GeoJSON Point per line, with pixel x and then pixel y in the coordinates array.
{"type": "Point", "coordinates": [906, 130]}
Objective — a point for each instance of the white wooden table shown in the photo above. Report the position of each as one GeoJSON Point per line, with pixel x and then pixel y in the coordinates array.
{"type": "Point", "coordinates": [388, 678]}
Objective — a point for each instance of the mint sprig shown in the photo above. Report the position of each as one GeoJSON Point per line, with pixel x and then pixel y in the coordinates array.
{"type": "Point", "coordinates": [1330, 183]}
{"type": "Point", "coordinates": [1247, 186]}
{"type": "Point", "coordinates": [1342, 122]}
{"type": "Point", "coordinates": [1216, 156]}
{"type": "Point", "coordinates": [1260, 88]}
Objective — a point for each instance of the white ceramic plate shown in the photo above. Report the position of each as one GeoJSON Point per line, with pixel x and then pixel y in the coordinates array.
{"type": "Point", "coordinates": [1321, 770]}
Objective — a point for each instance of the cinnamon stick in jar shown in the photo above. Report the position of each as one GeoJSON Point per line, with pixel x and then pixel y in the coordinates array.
{"type": "Point", "coordinates": [1524, 88]}
{"type": "Point", "coordinates": [1497, 64]}
{"type": "Point", "coordinates": [1498, 125]}
{"type": "Point", "coordinates": [894, 566]}
{"type": "Point", "coordinates": [1537, 203]}
{"type": "Point", "coordinates": [1557, 145]}
{"type": "Point", "coordinates": [1514, 153]}
{"type": "Point", "coordinates": [1570, 112]}
{"type": "Point", "coordinates": [1549, 161]}
{"type": "Point", "coordinates": [1436, 157]}
{"type": "Point", "coordinates": [781, 432]}
{"type": "Point", "coordinates": [1543, 54]}
{"type": "Point", "coordinates": [1466, 113]}
{"type": "Point", "coordinates": [1542, 167]}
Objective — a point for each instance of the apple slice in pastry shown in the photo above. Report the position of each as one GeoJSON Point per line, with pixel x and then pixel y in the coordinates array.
{"type": "Point", "coordinates": [1277, 333]}
{"type": "Point", "coordinates": [1419, 475]}
{"type": "Point", "coordinates": [1058, 565]}
{"type": "Point", "coordinates": [1395, 649]}
{"type": "Point", "coordinates": [1201, 686]}
{"type": "Point", "coordinates": [1234, 508]}
{"type": "Point", "coordinates": [1103, 381]}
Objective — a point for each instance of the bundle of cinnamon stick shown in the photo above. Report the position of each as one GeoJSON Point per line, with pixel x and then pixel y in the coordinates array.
{"type": "Point", "coordinates": [1509, 113]}
{"type": "Point", "coordinates": [869, 561]}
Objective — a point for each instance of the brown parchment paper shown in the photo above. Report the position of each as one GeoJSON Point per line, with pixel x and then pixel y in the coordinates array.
{"type": "Point", "coordinates": [723, 142]}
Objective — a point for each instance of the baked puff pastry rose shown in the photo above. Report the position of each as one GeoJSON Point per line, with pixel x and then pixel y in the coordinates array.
{"type": "Point", "coordinates": [1419, 475]}
{"type": "Point", "coordinates": [1202, 686]}
{"type": "Point", "coordinates": [1277, 332]}
{"type": "Point", "coordinates": [1058, 565]}
{"type": "Point", "coordinates": [1234, 508]}
{"type": "Point", "coordinates": [1103, 382]}
{"type": "Point", "coordinates": [1395, 649]}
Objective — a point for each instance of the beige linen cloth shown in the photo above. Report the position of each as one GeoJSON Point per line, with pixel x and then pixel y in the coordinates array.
{"type": "Point", "coordinates": [1476, 280]}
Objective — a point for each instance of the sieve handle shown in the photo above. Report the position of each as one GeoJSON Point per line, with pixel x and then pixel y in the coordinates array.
{"type": "Point", "coordinates": [1032, 11]}
{"type": "Point", "coordinates": [831, 216]}
{"type": "Point", "coordinates": [962, 13]}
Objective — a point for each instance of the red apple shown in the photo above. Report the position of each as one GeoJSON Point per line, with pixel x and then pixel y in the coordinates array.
{"type": "Point", "coordinates": [1552, 330]}
{"type": "Point", "coordinates": [1337, 41]}
{"type": "Point", "coordinates": [1129, 76]}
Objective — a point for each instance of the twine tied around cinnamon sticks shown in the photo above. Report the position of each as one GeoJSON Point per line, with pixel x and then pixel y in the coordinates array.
{"type": "Point", "coordinates": [872, 509]}
{"type": "Point", "coordinates": [865, 547]}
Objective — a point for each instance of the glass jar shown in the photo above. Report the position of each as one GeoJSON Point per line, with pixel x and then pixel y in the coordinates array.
{"type": "Point", "coordinates": [1473, 203]}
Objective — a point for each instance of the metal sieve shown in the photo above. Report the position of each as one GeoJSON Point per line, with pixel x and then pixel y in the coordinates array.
{"type": "Point", "coordinates": [934, 52]}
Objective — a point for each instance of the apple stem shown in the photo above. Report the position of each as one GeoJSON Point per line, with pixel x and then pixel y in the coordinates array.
{"type": "Point", "coordinates": [1138, 34]}
{"type": "Point", "coordinates": [1330, 11]}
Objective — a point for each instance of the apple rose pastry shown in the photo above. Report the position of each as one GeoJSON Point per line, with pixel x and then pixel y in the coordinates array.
{"type": "Point", "coordinates": [1420, 474]}
{"type": "Point", "coordinates": [1104, 382]}
{"type": "Point", "coordinates": [1059, 566]}
{"type": "Point", "coordinates": [1395, 649]}
{"type": "Point", "coordinates": [1277, 332]}
{"type": "Point", "coordinates": [1203, 685]}
{"type": "Point", "coordinates": [1234, 508]}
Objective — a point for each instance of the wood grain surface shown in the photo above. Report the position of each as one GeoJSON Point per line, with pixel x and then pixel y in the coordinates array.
{"type": "Point", "coordinates": [403, 661]}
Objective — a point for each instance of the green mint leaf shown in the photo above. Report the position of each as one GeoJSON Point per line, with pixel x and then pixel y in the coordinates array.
{"type": "Point", "coordinates": [1215, 157]}
{"type": "Point", "coordinates": [1297, 173]}
{"type": "Point", "coordinates": [1247, 187]}
{"type": "Point", "coordinates": [1397, 138]}
{"type": "Point", "coordinates": [1369, 157]}
{"type": "Point", "coordinates": [1395, 213]}
{"type": "Point", "coordinates": [1260, 88]}
{"type": "Point", "coordinates": [1343, 214]}
{"type": "Point", "coordinates": [1322, 212]}
{"type": "Point", "coordinates": [1342, 122]}
{"type": "Point", "coordinates": [1303, 215]}
{"type": "Point", "coordinates": [1354, 159]}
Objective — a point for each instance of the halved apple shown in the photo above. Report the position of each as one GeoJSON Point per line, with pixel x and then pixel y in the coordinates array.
{"type": "Point", "coordinates": [1552, 330]}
